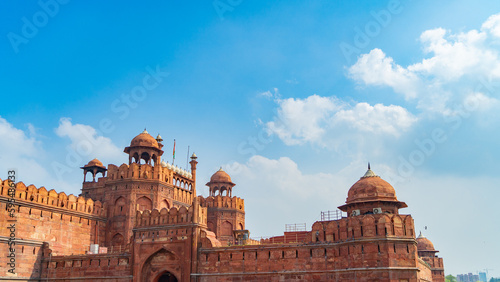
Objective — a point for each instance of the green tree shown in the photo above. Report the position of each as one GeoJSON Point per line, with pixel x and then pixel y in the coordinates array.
{"type": "Point", "coordinates": [450, 278]}
{"type": "Point", "coordinates": [495, 280]}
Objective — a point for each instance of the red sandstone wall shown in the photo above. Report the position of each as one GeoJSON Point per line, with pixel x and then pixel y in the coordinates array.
{"type": "Point", "coordinates": [425, 273]}
{"type": "Point", "coordinates": [28, 259]}
{"type": "Point", "coordinates": [365, 248]}
{"type": "Point", "coordinates": [101, 267]}
{"type": "Point", "coordinates": [224, 215]}
{"type": "Point", "coordinates": [372, 225]}
{"type": "Point", "coordinates": [67, 223]}
{"type": "Point", "coordinates": [313, 262]}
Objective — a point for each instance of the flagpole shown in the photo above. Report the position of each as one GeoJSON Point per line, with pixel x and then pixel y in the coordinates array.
{"type": "Point", "coordinates": [173, 154]}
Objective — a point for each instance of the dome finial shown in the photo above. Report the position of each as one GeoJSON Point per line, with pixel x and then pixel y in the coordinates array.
{"type": "Point", "coordinates": [369, 172]}
{"type": "Point", "coordinates": [145, 131]}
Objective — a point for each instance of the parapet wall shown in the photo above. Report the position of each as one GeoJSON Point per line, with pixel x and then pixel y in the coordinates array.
{"type": "Point", "coordinates": [67, 224]}
{"type": "Point", "coordinates": [99, 267]}
{"type": "Point", "coordinates": [366, 248]}
{"type": "Point", "coordinates": [343, 261]}
{"type": "Point", "coordinates": [172, 216]}
{"type": "Point", "coordinates": [223, 202]}
{"type": "Point", "coordinates": [363, 226]}
{"type": "Point", "coordinates": [51, 199]}
{"type": "Point", "coordinates": [145, 171]}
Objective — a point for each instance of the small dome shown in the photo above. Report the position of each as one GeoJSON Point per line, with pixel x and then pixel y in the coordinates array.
{"type": "Point", "coordinates": [169, 166]}
{"type": "Point", "coordinates": [94, 162]}
{"type": "Point", "coordinates": [220, 176]}
{"type": "Point", "coordinates": [193, 156]}
{"type": "Point", "coordinates": [371, 188]}
{"type": "Point", "coordinates": [144, 140]}
{"type": "Point", "coordinates": [163, 164]}
{"type": "Point", "coordinates": [424, 244]}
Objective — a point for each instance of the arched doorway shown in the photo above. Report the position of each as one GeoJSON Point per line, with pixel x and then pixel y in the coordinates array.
{"type": "Point", "coordinates": [161, 266]}
{"type": "Point", "coordinates": [167, 277]}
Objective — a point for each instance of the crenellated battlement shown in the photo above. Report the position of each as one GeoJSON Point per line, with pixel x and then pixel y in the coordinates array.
{"type": "Point", "coordinates": [364, 226]}
{"type": "Point", "coordinates": [86, 265]}
{"type": "Point", "coordinates": [52, 199]}
{"type": "Point", "coordinates": [175, 176]}
{"type": "Point", "coordinates": [165, 216]}
{"type": "Point", "coordinates": [223, 202]}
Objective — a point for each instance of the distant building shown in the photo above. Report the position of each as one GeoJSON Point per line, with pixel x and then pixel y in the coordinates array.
{"type": "Point", "coordinates": [469, 277]}
{"type": "Point", "coordinates": [482, 277]}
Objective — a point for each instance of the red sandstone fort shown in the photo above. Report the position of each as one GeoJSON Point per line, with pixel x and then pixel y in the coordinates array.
{"type": "Point", "coordinates": [143, 221]}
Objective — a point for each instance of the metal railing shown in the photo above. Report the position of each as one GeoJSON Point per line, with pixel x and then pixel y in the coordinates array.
{"type": "Point", "coordinates": [331, 215]}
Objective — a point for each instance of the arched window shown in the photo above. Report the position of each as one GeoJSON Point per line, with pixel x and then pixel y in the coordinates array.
{"type": "Point", "coordinates": [117, 240]}
{"type": "Point", "coordinates": [145, 156]}
{"type": "Point", "coordinates": [120, 205]}
{"type": "Point", "coordinates": [135, 158]}
{"type": "Point", "coordinates": [226, 229]}
{"type": "Point", "coordinates": [164, 204]}
{"type": "Point", "coordinates": [144, 203]}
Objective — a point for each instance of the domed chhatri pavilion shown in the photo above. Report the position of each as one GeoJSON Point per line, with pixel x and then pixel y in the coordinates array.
{"type": "Point", "coordinates": [143, 221]}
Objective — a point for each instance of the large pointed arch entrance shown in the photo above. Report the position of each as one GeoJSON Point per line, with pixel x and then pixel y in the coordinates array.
{"type": "Point", "coordinates": [166, 277]}
{"type": "Point", "coordinates": [162, 266]}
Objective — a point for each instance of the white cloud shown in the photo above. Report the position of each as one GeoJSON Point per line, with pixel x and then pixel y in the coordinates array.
{"type": "Point", "coordinates": [455, 56]}
{"type": "Point", "coordinates": [279, 190]}
{"type": "Point", "coordinates": [270, 95]}
{"type": "Point", "coordinates": [25, 155]}
{"type": "Point", "coordinates": [480, 101]}
{"type": "Point", "coordinates": [15, 140]}
{"type": "Point", "coordinates": [458, 64]}
{"type": "Point", "coordinates": [284, 190]}
{"type": "Point", "coordinates": [377, 69]}
{"type": "Point", "coordinates": [301, 120]}
{"type": "Point", "coordinates": [282, 174]}
{"type": "Point", "coordinates": [390, 119]}
{"type": "Point", "coordinates": [318, 120]}
{"type": "Point", "coordinates": [86, 142]}
{"type": "Point", "coordinates": [492, 25]}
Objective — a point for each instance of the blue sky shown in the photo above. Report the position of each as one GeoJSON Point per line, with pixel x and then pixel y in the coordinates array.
{"type": "Point", "coordinates": [292, 98]}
